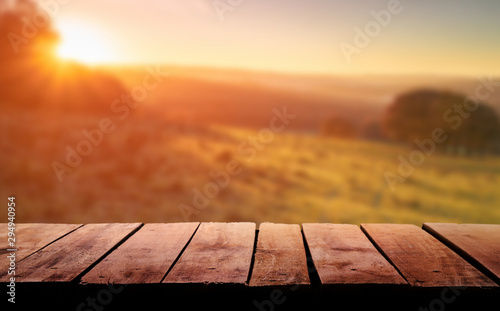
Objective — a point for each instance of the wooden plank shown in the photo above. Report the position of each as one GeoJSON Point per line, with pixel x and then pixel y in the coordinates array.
{"type": "Point", "coordinates": [479, 243]}
{"type": "Point", "coordinates": [145, 257]}
{"type": "Point", "coordinates": [218, 253]}
{"type": "Point", "coordinates": [65, 259]}
{"type": "Point", "coordinates": [422, 259]}
{"type": "Point", "coordinates": [342, 254]}
{"type": "Point", "coordinates": [280, 257]}
{"type": "Point", "coordinates": [31, 238]}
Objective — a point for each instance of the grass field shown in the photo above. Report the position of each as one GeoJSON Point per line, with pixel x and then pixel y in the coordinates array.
{"type": "Point", "coordinates": [145, 170]}
{"type": "Point", "coordinates": [168, 159]}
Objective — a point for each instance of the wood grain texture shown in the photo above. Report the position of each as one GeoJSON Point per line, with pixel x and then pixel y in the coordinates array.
{"type": "Point", "coordinates": [143, 258]}
{"type": "Point", "coordinates": [280, 257]}
{"type": "Point", "coordinates": [68, 257]}
{"type": "Point", "coordinates": [479, 243]}
{"type": "Point", "coordinates": [31, 238]}
{"type": "Point", "coordinates": [218, 253]}
{"type": "Point", "coordinates": [342, 254]}
{"type": "Point", "coordinates": [422, 259]}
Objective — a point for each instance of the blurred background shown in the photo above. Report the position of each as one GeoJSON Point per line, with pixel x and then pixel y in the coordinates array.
{"type": "Point", "coordinates": [283, 111]}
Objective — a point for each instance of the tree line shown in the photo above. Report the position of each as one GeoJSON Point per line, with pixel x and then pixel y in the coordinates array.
{"type": "Point", "coordinates": [470, 125]}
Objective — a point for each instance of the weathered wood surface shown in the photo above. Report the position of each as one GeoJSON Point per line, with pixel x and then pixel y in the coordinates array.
{"type": "Point", "coordinates": [422, 259]}
{"type": "Point", "coordinates": [145, 257]}
{"type": "Point", "coordinates": [478, 243]}
{"type": "Point", "coordinates": [29, 238]}
{"type": "Point", "coordinates": [280, 257]}
{"type": "Point", "coordinates": [192, 253]}
{"type": "Point", "coordinates": [68, 257]}
{"type": "Point", "coordinates": [342, 254]}
{"type": "Point", "coordinates": [218, 253]}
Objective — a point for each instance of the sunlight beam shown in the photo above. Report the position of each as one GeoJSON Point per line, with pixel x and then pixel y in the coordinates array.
{"type": "Point", "coordinates": [82, 43]}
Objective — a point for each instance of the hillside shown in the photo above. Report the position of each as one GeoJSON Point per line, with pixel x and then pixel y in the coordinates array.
{"type": "Point", "coordinates": [244, 98]}
{"type": "Point", "coordinates": [168, 159]}
{"type": "Point", "coordinates": [147, 168]}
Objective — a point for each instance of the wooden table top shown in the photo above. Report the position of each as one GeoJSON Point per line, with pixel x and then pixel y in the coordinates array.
{"type": "Point", "coordinates": [436, 255]}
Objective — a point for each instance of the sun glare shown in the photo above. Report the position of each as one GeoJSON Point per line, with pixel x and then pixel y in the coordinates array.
{"type": "Point", "coordinates": [82, 43]}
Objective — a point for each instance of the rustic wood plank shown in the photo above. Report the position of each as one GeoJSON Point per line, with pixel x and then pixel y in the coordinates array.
{"type": "Point", "coordinates": [342, 254]}
{"type": "Point", "coordinates": [422, 259]}
{"type": "Point", "coordinates": [30, 238]}
{"type": "Point", "coordinates": [280, 257]}
{"type": "Point", "coordinates": [145, 257]}
{"type": "Point", "coordinates": [218, 253]}
{"type": "Point", "coordinates": [479, 243]}
{"type": "Point", "coordinates": [68, 257]}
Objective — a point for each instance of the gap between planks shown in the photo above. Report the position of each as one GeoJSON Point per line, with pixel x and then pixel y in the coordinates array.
{"type": "Point", "coordinates": [219, 253]}
{"type": "Point", "coordinates": [254, 252]}
{"type": "Point", "coordinates": [344, 255]}
{"type": "Point", "coordinates": [279, 256]}
{"type": "Point", "coordinates": [87, 245]}
{"type": "Point", "coordinates": [145, 257]}
{"type": "Point", "coordinates": [479, 244]}
{"type": "Point", "coordinates": [422, 259]}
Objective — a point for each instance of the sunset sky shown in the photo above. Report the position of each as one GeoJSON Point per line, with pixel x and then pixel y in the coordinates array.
{"type": "Point", "coordinates": [426, 36]}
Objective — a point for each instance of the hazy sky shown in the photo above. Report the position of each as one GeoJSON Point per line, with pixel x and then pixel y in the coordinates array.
{"type": "Point", "coordinates": [424, 36]}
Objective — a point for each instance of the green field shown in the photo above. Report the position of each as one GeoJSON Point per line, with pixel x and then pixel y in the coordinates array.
{"type": "Point", "coordinates": [145, 170]}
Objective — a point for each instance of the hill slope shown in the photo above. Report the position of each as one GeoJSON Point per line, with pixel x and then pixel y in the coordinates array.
{"type": "Point", "coordinates": [152, 171]}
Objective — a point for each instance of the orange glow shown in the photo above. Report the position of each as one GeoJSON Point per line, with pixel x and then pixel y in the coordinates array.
{"type": "Point", "coordinates": [82, 43]}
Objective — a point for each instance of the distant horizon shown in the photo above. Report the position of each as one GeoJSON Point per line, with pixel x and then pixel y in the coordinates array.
{"type": "Point", "coordinates": [243, 69]}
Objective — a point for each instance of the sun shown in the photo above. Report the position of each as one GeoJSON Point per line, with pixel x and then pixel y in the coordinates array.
{"type": "Point", "coordinates": [82, 43]}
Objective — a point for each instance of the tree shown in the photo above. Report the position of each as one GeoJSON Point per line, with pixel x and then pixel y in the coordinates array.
{"type": "Point", "coordinates": [25, 31]}
{"type": "Point", "coordinates": [468, 124]}
{"type": "Point", "coordinates": [33, 78]}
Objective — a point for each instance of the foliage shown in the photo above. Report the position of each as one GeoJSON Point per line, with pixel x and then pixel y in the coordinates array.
{"type": "Point", "coordinates": [32, 78]}
{"type": "Point", "coordinates": [466, 123]}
